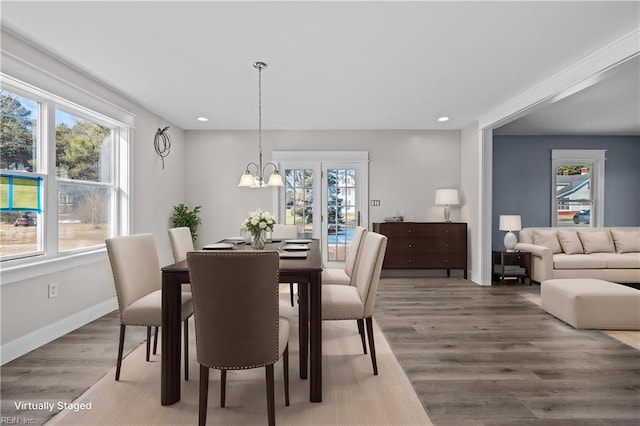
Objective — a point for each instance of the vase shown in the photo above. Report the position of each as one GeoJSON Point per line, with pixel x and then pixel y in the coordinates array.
{"type": "Point", "coordinates": [259, 240]}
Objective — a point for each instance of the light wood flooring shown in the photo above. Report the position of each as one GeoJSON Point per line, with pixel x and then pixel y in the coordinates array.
{"type": "Point", "coordinates": [474, 355]}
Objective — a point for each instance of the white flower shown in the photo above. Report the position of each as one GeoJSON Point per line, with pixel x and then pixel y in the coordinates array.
{"type": "Point", "coordinates": [258, 221]}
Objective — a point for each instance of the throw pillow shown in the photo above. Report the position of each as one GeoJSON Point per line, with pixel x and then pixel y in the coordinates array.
{"type": "Point", "coordinates": [626, 241]}
{"type": "Point", "coordinates": [570, 242]}
{"type": "Point", "coordinates": [596, 242]}
{"type": "Point", "coordinates": [547, 238]}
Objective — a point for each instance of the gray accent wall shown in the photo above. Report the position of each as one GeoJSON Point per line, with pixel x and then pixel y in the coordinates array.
{"type": "Point", "coordinates": [522, 178]}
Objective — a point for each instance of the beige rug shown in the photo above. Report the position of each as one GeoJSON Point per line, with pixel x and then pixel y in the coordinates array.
{"type": "Point", "coordinates": [352, 394]}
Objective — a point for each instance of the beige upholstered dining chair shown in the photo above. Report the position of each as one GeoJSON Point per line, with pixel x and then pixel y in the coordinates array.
{"type": "Point", "coordinates": [342, 302]}
{"type": "Point", "coordinates": [138, 281]}
{"type": "Point", "coordinates": [285, 232]}
{"type": "Point", "coordinates": [345, 276]}
{"type": "Point", "coordinates": [181, 243]}
{"type": "Point", "coordinates": [236, 312]}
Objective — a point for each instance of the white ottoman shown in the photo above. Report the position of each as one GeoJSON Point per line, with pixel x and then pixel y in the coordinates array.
{"type": "Point", "coordinates": [591, 303]}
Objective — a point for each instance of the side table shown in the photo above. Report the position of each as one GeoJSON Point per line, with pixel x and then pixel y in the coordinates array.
{"type": "Point", "coordinates": [511, 266]}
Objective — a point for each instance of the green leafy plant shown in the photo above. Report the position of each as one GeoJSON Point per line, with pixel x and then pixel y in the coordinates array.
{"type": "Point", "coordinates": [182, 216]}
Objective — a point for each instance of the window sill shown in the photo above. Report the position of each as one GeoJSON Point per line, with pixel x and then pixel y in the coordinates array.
{"type": "Point", "coordinates": [24, 269]}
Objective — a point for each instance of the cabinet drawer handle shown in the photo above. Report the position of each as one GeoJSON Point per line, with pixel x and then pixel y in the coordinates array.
{"type": "Point", "coordinates": [409, 245]}
{"type": "Point", "coordinates": [409, 260]}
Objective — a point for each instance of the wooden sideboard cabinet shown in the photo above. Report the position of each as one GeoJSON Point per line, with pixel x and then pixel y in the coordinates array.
{"type": "Point", "coordinates": [425, 245]}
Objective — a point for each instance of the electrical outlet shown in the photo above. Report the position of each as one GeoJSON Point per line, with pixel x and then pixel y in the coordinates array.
{"type": "Point", "coordinates": [375, 203]}
{"type": "Point", "coordinates": [53, 290]}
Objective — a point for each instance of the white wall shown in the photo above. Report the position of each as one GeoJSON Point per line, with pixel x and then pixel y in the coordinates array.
{"type": "Point", "coordinates": [405, 169]}
{"type": "Point", "coordinates": [471, 184]}
{"type": "Point", "coordinates": [85, 291]}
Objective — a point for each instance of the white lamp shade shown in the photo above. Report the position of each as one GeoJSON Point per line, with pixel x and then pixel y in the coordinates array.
{"type": "Point", "coordinates": [247, 179]}
{"type": "Point", "coordinates": [510, 222]}
{"type": "Point", "coordinates": [447, 197]}
{"type": "Point", "coordinates": [275, 179]}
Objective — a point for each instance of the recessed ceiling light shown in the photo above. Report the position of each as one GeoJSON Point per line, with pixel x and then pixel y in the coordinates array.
{"type": "Point", "coordinates": [202, 119]}
{"type": "Point", "coordinates": [443, 119]}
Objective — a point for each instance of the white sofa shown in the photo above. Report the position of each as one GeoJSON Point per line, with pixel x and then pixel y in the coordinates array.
{"type": "Point", "coordinates": [610, 254]}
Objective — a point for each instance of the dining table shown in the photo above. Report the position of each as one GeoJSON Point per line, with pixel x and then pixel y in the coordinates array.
{"type": "Point", "coordinates": [305, 271]}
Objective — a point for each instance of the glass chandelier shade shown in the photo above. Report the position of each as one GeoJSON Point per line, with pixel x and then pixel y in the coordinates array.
{"type": "Point", "coordinates": [256, 180]}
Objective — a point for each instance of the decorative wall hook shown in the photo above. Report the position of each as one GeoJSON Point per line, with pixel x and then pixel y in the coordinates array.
{"type": "Point", "coordinates": [162, 143]}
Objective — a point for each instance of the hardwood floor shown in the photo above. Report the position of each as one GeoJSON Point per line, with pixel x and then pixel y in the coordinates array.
{"type": "Point", "coordinates": [64, 368]}
{"type": "Point", "coordinates": [475, 356]}
{"type": "Point", "coordinates": [489, 356]}
{"type": "Point", "coordinates": [352, 394]}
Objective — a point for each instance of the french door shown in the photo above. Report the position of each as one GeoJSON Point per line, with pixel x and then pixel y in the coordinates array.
{"type": "Point", "coordinates": [325, 199]}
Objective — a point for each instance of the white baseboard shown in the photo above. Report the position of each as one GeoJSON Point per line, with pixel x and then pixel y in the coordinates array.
{"type": "Point", "coordinates": [33, 340]}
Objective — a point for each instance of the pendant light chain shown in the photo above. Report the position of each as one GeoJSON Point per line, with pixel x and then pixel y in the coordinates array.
{"type": "Point", "coordinates": [260, 66]}
{"type": "Point", "coordinates": [256, 180]}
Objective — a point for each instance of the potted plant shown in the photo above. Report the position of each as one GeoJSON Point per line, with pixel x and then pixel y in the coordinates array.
{"type": "Point", "coordinates": [182, 216]}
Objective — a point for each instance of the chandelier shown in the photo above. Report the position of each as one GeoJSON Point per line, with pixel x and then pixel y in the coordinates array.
{"type": "Point", "coordinates": [257, 180]}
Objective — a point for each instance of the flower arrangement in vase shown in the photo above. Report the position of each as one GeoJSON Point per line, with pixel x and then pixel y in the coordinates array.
{"type": "Point", "coordinates": [258, 223]}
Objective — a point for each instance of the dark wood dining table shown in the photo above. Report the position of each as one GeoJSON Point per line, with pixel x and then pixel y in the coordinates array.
{"type": "Point", "coordinates": [306, 272]}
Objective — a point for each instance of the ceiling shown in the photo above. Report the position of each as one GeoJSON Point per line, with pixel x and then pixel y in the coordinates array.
{"type": "Point", "coordinates": [608, 107]}
{"type": "Point", "coordinates": [335, 65]}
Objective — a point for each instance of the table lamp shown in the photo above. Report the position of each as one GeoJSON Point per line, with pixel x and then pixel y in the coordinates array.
{"type": "Point", "coordinates": [510, 223]}
{"type": "Point", "coordinates": [446, 198]}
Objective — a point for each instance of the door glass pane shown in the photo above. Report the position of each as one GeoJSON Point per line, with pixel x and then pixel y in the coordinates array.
{"type": "Point", "coordinates": [574, 195]}
{"type": "Point", "coordinates": [299, 200]}
{"type": "Point", "coordinates": [341, 212]}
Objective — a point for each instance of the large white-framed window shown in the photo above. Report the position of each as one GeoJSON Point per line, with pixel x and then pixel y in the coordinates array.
{"type": "Point", "coordinates": [65, 170]}
{"type": "Point", "coordinates": [577, 193]}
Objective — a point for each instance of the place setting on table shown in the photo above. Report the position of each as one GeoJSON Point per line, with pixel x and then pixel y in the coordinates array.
{"type": "Point", "coordinates": [256, 229]}
{"type": "Point", "coordinates": [289, 248]}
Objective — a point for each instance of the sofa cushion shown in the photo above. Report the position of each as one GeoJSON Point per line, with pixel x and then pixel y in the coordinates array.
{"type": "Point", "coordinates": [578, 261]}
{"type": "Point", "coordinates": [547, 238]}
{"type": "Point", "coordinates": [635, 255]}
{"type": "Point", "coordinates": [626, 241]}
{"type": "Point", "coordinates": [570, 242]}
{"type": "Point", "coordinates": [596, 241]}
{"type": "Point", "coordinates": [618, 260]}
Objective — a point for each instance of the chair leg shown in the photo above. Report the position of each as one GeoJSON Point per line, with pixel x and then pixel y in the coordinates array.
{"type": "Point", "coordinates": [271, 409]}
{"type": "Point", "coordinates": [148, 342]}
{"type": "Point", "coordinates": [291, 292]}
{"type": "Point", "coordinates": [186, 349]}
{"type": "Point", "coordinates": [285, 367]}
{"type": "Point", "coordinates": [361, 331]}
{"type": "Point", "coordinates": [223, 386]}
{"type": "Point", "coordinates": [204, 395]}
{"type": "Point", "coordinates": [120, 348]}
{"type": "Point", "coordinates": [155, 340]}
{"type": "Point", "coordinates": [372, 346]}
